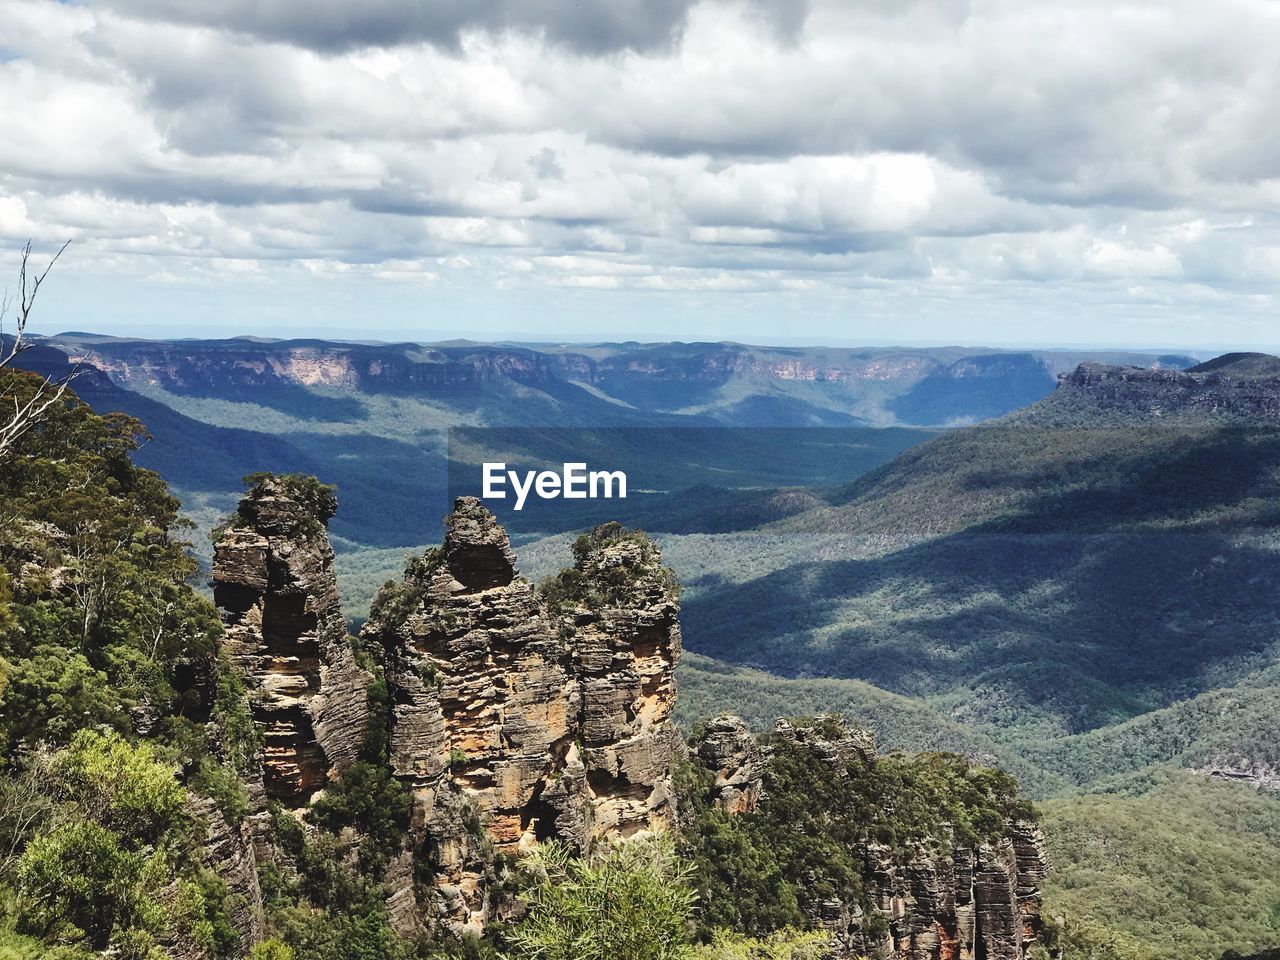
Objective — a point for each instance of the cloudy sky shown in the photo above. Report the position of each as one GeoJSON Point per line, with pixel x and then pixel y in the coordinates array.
{"type": "Point", "coordinates": [994, 171]}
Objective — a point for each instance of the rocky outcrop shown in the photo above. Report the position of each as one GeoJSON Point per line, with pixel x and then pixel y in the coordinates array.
{"type": "Point", "coordinates": [1238, 768]}
{"type": "Point", "coordinates": [274, 584]}
{"type": "Point", "coordinates": [519, 718]}
{"type": "Point", "coordinates": [227, 850]}
{"type": "Point", "coordinates": [1232, 387]}
{"type": "Point", "coordinates": [726, 747]}
{"type": "Point", "coordinates": [517, 715]}
{"type": "Point", "coordinates": [945, 901]}
{"type": "Point", "coordinates": [829, 739]}
{"type": "Point", "coordinates": [974, 904]}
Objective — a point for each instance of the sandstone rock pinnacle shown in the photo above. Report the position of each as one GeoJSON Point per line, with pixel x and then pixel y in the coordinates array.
{"type": "Point", "coordinates": [545, 715]}
{"type": "Point", "coordinates": [274, 584]}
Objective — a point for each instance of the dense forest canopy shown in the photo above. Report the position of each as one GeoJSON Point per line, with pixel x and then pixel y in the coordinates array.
{"type": "Point", "coordinates": [128, 745]}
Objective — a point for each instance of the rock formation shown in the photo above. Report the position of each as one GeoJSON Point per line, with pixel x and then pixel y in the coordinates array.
{"type": "Point", "coordinates": [727, 748]}
{"type": "Point", "coordinates": [1236, 386]}
{"type": "Point", "coordinates": [274, 584]}
{"type": "Point", "coordinates": [518, 716]}
{"type": "Point", "coordinates": [947, 902]}
{"type": "Point", "coordinates": [535, 718]}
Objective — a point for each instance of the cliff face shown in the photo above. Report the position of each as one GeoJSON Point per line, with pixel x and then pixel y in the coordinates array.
{"type": "Point", "coordinates": [544, 719]}
{"type": "Point", "coordinates": [243, 367]}
{"type": "Point", "coordinates": [274, 584]}
{"type": "Point", "coordinates": [946, 901]}
{"type": "Point", "coordinates": [517, 716]}
{"type": "Point", "coordinates": [1243, 386]}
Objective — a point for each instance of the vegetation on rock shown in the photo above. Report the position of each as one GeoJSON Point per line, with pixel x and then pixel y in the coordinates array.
{"type": "Point", "coordinates": [610, 564]}
{"type": "Point", "coordinates": [822, 811]}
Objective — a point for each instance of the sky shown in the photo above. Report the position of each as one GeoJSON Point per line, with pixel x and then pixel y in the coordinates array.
{"type": "Point", "coordinates": [820, 171]}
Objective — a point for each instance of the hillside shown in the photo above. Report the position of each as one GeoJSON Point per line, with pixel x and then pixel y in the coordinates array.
{"type": "Point", "coordinates": [488, 767]}
{"type": "Point", "coordinates": [984, 566]}
{"type": "Point", "coordinates": [1181, 866]}
{"type": "Point", "coordinates": [1082, 589]}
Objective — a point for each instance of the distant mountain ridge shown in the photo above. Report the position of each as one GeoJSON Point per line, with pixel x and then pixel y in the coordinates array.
{"type": "Point", "coordinates": [375, 418]}
{"type": "Point", "coordinates": [728, 383]}
{"type": "Point", "coordinates": [1236, 387]}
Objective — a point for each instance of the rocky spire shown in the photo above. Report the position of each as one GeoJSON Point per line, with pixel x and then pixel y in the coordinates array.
{"type": "Point", "coordinates": [622, 608]}
{"type": "Point", "coordinates": [547, 718]}
{"type": "Point", "coordinates": [476, 547]}
{"type": "Point", "coordinates": [274, 585]}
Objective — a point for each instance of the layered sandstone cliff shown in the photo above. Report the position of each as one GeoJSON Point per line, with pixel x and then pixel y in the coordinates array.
{"type": "Point", "coordinates": [274, 584]}
{"type": "Point", "coordinates": [517, 715]}
{"type": "Point", "coordinates": [532, 716]}
{"type": "Point", "coordinates": [944, 901]}
{"type": "Point", "coordinates": [1233, 387]}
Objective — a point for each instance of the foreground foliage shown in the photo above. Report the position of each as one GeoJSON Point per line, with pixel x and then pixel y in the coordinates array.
{"type": "Point", "coordinates": [629, 900]}
{"type": "Point", "coordinates": [112, 692]}
{"type": "Point", "coordinates": [100, 853]}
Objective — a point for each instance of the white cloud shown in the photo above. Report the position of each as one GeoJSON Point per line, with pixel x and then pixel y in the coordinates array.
{"type": "Point", "coordinates": [932, 148]}
{"type": "Point", "coordinates": [1116, 259]}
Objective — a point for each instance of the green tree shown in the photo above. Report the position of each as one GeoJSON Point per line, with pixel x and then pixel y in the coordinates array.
{"type": "Point", "coordinates": [630, 900]}
{"type": "Point", "coordinates": [79, 881]}
{"type": "Point", "coordinates": [369, 798]}
{"type": "Point", "coordinates": [100, 827]}
{"type": "Point", "coordinates": [119, 785]}
{"type": "Point", "coordinates": [97, 618]}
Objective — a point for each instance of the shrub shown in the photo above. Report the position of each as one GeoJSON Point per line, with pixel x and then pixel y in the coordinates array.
{"type": "Point", "coordinates": [370, 799]}
{"type": "Point", "coordinates": [271, 949]}
{"type": "Point", "coordinates": [221, 785]}
{"type": "Point", "coordinates": [783, 945]}
{"type": "Point", "coordinates": [78, 881]}
{"type": "Point", "coordinates": [631, 900]}
{"type": "Point", "coordinates": [121, 786]}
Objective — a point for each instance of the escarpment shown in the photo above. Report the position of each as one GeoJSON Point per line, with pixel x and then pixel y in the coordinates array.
{"type": "Point", "coordinates": [274, 584]}
{"type": "Point", "coordinates": [510, 715]}
{"type": "Point", "coordinates": [1236, 387]}
{"type": "Point", "coordinates": [933, 888]}
{"type": "Point", "coordinates": [544, 716]}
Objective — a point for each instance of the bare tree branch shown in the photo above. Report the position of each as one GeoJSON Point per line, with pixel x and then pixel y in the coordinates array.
{"type": "Point", "coordinates": [29, 284]}
{"type": "Point", "coordinates": [26, 414]}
